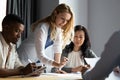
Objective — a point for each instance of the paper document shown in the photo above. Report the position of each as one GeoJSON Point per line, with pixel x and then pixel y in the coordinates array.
{"type": "Point", "coordinates": [92, 61]}
{"type": "Point", "coordinates": [79, 76]}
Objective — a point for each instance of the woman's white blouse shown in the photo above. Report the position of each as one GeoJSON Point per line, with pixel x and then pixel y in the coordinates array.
{"type": "Point", "coordinates": [41, 34]}
{"type": "Point", "coordinates": [74, 59]}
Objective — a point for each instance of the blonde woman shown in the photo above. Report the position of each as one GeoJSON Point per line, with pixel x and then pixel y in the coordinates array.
{"type": "Point", "coordinates": [52, 30]}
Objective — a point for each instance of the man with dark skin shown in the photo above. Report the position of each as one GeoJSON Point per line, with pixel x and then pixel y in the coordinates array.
{"type": "Point", "coordinates": [10, 65]}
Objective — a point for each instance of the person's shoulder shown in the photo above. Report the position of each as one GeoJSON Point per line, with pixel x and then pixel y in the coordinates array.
{"type": "Point", "coordinates": [117, 34]}
{"type": "Point", "coordinates": [68, 47]}
{"type": "Point", "coordinates": [114, 38]}
{"type": "Point", "coordinates": [43, 26]}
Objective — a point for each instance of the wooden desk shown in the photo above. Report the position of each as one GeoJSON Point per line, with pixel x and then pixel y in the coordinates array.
{"type": "Point", "coordinates": [47, 77]}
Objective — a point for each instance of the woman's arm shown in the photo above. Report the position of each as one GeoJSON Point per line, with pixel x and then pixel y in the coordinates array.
{"type": "Point", "coordinates": [57, 57]}
{"type": "Point", "coordinates": [57, 46]}
{"type": "Point", "coordinates": [9, 72]}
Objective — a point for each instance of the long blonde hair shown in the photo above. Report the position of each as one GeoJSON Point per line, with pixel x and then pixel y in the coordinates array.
{"type": "Point", "coordinates": [67, 29]}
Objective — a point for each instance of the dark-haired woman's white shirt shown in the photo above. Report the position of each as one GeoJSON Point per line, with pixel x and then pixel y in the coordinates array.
{"type": "Point", "coordinates": [74, 59]}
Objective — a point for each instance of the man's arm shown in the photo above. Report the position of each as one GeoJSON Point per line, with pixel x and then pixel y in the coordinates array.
{"type": "Point", "coordinates": [10, 72]}
{"type": "Point", "coordinates": [31, 67]}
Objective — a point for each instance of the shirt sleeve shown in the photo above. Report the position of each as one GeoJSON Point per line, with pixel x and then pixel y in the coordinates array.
{"type": "Point", "coordinates": [57, 46]}
{"type": "Point", "coordinates": [41, 34]}
{"type": "Point", "coordinates": [109, 59]}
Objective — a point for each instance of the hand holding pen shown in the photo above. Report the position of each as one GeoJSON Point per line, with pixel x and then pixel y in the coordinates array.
{"type": "Point", "coordinates": [30, 68]}
{"type": "Point", "coordinates": [64, 60]}
{"type": "Point", "coordinates": [61, 64]}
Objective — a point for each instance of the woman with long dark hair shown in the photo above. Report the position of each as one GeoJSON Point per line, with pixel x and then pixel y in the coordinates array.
{"type": "Point", "coordinates": [77, 50]}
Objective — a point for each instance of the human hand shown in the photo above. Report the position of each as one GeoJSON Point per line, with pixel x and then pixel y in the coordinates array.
{"type": "Point", "coordinates": [77, 69]}
{"type": "Point", "coordinates": [37, 71]}
{"type": "Point", "coordinates": [116, 69]}
{"type": "Point", "coordinates": [84, 69]}
{"type": "Point", "coordinates": [61, 71]}
{"type": "Point", "coordinates": [30, 68]}
{"type": "Point", "coordinates": [87, 66]}
{"type": "Point", "coordinates": [63, 62]}
{"type": "Point", "coordinates": [81, 68]}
